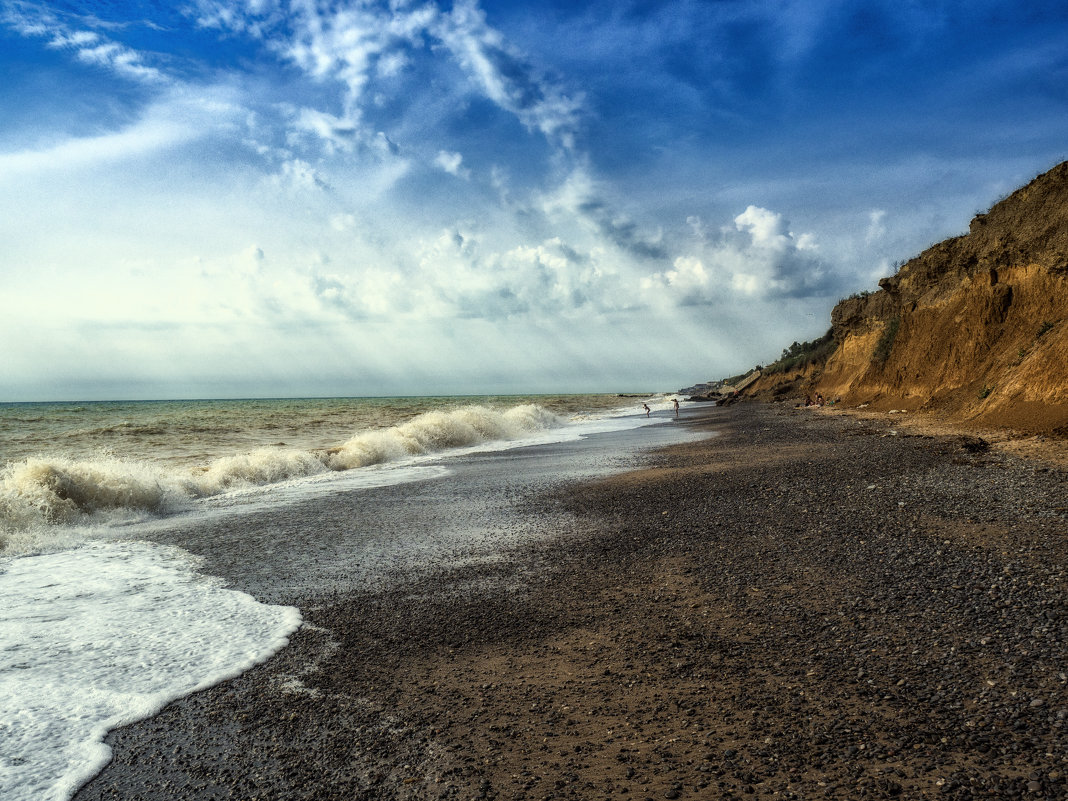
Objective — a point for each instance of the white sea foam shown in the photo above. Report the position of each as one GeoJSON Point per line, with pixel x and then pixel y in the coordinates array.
{"type": "Point", "coordinates": [436, 431]}
{"type": "Point", "coordinates": [103, 635]}
{"type": "Point", "coordinates": [256, 468]}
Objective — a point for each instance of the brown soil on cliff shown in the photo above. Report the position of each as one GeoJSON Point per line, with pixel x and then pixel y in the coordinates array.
{"type": "Point", "coordinates": [974, 330]}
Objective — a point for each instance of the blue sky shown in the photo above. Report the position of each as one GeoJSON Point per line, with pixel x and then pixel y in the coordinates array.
{"type": "Point", "coordinates": [266, 197]}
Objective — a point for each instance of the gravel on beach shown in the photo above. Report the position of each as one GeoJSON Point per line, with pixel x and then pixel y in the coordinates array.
{"type": "Point", "coordinates": [802, 606]}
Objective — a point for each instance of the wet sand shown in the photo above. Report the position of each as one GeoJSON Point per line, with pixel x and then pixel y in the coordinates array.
{"type": "Point", "coordinates": [804, 606]}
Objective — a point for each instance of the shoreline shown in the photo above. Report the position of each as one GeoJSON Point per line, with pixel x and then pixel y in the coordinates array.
{"type": "Point", "coordinates": [802, 606]}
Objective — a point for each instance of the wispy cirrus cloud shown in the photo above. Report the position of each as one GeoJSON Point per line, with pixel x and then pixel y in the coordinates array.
{"type": "Point", "coordinates": [507, 77]}
{"type": "Point", "coordinates": [75, 34]}
{"type": "Point", "coordinates": [356, 44]}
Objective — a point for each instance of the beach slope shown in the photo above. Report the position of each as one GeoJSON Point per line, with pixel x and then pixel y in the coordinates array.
{"type": "Point", "coordinates": [802, 606]}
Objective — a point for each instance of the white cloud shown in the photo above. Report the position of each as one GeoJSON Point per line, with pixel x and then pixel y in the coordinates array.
{"type": "Point", "coordinates": [124, 61]}
{"type": "Point", "coordinates": [336, 133]}
{"type": "Point", "coordinates": [251, 260]}
{"type": "Point", "coordinates": [452, 164]}
{"type": "Point", "coordinates": [757, 257]}
{"type": "Point", "coordinates": [876, 226]}
{"type": "Point", "coordinates": [176, 118]}
{"type": "Point", "coordinates": [343, 222]}
{"type": "Point", "coordinates": [76, 40]}
{"type": "Point", "coordinates": [88, 46]}
{"type": "Point", "coordinates": [688, 275]}
{"type": "Point", "coordinates": [299, 174]}
{"type": "Point", "coordinates": [766, 228]}
{"type": "Point", "coordinates": [356, 43]}
{"type": "Point", "coordinates": [28, 20]}
{"type": "Point", "coordinates": [506, 77]}
{"type": "Point", "coordinates": [581, 198]}
{"type": "Point", "coordinates": [350, 42]}
{"type": "Point", "coordinates": [391, 64]}
{"type": "Point", "coordinates": [144, 137]}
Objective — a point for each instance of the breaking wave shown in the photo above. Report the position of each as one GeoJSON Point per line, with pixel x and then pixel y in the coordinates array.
{"type": "Point", "coordinates": [58, 490]}
{"type": "Point", "coordinates": [51, 491]}
{"type": "Point", "coordinates": [437, 431]}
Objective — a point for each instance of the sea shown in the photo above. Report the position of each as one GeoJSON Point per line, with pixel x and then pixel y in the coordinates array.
{"type": "Point", "coordinates": [101, 626]}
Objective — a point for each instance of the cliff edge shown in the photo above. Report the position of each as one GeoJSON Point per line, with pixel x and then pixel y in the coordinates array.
{"type": "Point", "coordinates": [975, 327]}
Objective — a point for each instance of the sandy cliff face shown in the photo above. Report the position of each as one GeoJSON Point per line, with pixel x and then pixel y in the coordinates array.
{"type": "Point", "coordinates": [976, 326]}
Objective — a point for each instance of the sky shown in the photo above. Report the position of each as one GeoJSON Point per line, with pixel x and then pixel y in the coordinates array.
{"type": "Point", "coordinates": [268, 198]}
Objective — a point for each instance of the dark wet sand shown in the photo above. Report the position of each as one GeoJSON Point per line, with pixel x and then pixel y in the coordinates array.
{"type": "Point", "coordinates": [801, 607]}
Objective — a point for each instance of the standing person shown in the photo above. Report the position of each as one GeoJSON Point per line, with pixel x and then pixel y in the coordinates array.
{"type": "Point", "coordinates": [676, 402]}
{"type": "Point", "coordinates": [646, 407]}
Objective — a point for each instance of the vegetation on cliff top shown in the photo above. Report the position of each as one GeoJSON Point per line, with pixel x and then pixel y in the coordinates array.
{"type": "Point", "coordinates": [801, 354]}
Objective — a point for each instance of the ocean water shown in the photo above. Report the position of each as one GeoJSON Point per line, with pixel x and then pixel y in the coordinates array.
{"type": "Point", "coordinates": [102, 627]}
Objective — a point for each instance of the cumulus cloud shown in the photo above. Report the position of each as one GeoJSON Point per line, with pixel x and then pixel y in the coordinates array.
{"type": "Point", "coordinates": [688, 275]}
{"type": "Point", "coordinates": [759, 257]}
{"type": "Point", "coordinates": [454, 274]}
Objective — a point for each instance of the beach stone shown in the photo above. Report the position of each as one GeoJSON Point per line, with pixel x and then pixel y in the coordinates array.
{"type": "Point", "coordinates": [737, 607]}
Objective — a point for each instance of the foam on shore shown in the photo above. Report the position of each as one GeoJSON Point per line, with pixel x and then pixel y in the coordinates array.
{"type": "Point", "coordinates": [103, 635]}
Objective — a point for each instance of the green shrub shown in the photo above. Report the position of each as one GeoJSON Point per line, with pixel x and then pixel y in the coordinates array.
{"type": "Point", "coordinates": [1042, 329]}
{"type": "Point", "coordinates": [801, 354]}
{"type": "Point", "coordinates": [886, 342]}
{"type": "Point", "coordinates": [984, 393]}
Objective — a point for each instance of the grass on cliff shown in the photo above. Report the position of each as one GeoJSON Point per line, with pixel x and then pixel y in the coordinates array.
{"type": "Point", "coordinates": [801, 354]}
{"type": "Point", "coordinates": [886, 342]}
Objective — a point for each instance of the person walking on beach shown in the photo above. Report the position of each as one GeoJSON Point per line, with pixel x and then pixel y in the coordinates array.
{"type": "Point", "coordinates": [676, 402]}
{"type": "Point", "coordinates": [646, 407]}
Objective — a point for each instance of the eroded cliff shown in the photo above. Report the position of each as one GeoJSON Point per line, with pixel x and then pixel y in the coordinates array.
{"type": "Point", "coordinates": [975, 326]}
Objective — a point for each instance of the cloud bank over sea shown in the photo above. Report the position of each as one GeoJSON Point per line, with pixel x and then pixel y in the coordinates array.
{"type": "Point", "coordinates": [359, 197]}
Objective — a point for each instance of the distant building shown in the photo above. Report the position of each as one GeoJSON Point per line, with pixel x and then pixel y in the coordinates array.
{"type": "Point", "coordinates": [706, 388]}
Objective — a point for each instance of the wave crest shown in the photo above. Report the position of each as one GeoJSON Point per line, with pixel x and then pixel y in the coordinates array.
{"type": "Point", "coordinates": [256, 468]}
{"type": "Point", "coordinates": [40, 490]}
{"type": "Point", "coordinates": [437, 431]}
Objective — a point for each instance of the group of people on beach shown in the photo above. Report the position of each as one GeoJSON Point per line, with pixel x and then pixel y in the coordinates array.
{"type": "Point", "coordinates": [819, 401]}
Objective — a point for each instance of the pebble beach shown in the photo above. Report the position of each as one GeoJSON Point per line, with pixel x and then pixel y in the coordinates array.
{"type": "Point", "coordinates": [782, 604]}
